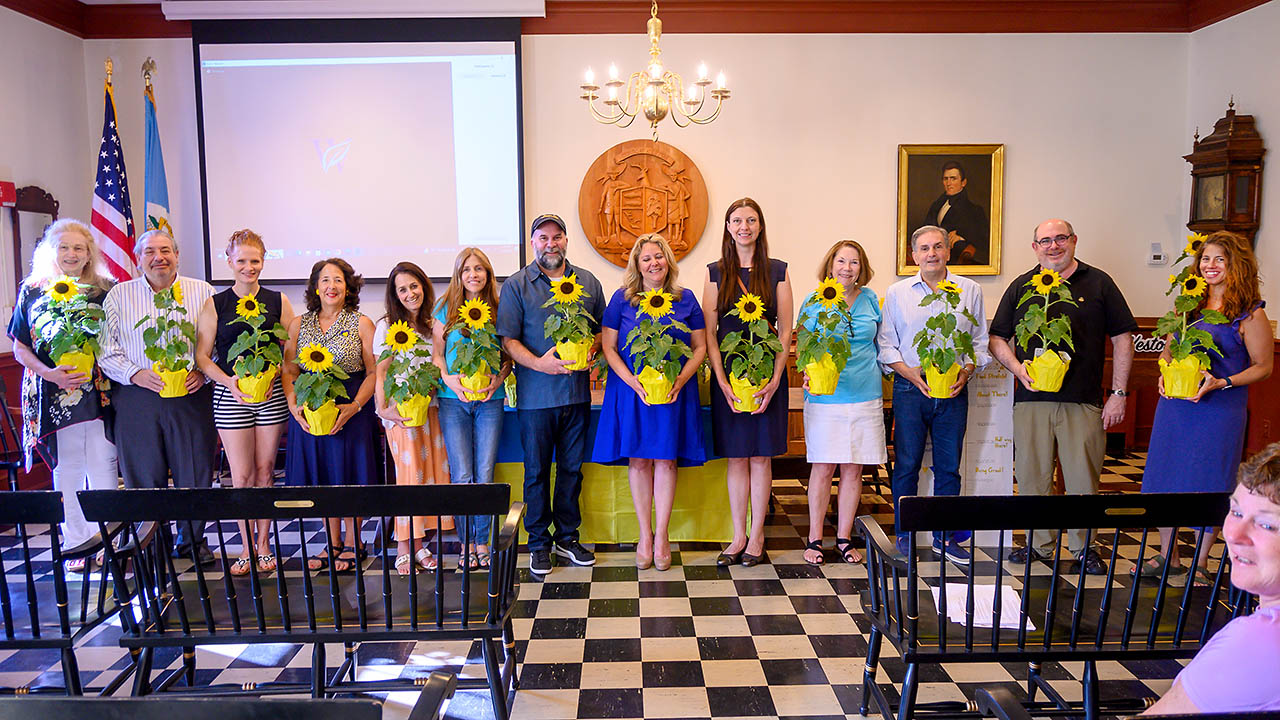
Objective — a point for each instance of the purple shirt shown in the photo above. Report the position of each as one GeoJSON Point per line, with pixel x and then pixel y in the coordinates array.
{"type": "Point", "coordinates": [1237, 670]}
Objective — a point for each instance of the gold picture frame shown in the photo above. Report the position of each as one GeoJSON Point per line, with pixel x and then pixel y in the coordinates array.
{"type": "Point", "coordinates": [922, 196]}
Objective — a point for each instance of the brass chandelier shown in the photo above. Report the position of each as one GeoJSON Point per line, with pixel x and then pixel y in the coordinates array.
{"type": "Point", "coordinates": [654, 92]}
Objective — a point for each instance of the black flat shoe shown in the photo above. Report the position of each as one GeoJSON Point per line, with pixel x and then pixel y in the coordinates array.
{"type": "Point", "coordinates": [749, 560]}
{"type": "Point", "coordinates": [726, 559]}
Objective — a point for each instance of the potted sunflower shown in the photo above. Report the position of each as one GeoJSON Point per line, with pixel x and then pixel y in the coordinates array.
{"type": "Point", "coordinates": [256, 350]}
{"type": "Point", "coordinates": [943, 347]}
{"type": "Point", "coordinates": [1049, 367]}
{"type": "Point", "coordinates": [749, 359]}
{"type": "Point", "coordinates": [170, 340]}
{"type": "Point", "coordinates": [411, 376]}
{"type": "Point", "coordinates": [822, 352]}
{"type": "Point", "coordinates": [318, 388]}
{"type": "Point", "coordinates": [478, 355]}
{"type": "Point", "coordinates": [69, 325]}
{"type": "Point", "coordinates": [570, 325]}
{"type": "Point", "coordinates": [658, 357]}
{"type": "Point", "coordinates": [1189, 345]}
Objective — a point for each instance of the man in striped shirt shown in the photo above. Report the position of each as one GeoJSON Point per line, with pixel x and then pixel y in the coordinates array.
{"type": "Point", "coordinates": [157, 437]}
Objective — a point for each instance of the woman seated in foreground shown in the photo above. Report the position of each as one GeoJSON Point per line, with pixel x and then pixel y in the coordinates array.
{"type": "Point", "coordinates": [1237, 670]}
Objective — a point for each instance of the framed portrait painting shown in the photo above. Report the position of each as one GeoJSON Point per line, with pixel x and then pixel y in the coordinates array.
{"type": "Point", "coordinates": [959, 188]}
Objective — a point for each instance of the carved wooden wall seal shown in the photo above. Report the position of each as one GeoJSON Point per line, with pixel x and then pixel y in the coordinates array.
{"type": "Point", "coordinates": [639, 187]}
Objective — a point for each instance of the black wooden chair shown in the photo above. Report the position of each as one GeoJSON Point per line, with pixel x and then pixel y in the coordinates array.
{"type": "Point", "coordinates": [1064, 614]}
{"type": "Point", "coordinates": [11, 460]}
{"type": "Point", "coordinates": [181, 604]}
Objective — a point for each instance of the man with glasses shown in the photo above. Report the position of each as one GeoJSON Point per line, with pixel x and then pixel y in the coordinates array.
{"type": "Point", "coordinates": [1074, 419]}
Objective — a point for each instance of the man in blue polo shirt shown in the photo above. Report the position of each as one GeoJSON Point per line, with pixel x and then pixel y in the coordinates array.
{"type": "Point", "coordinates": [553, 403]}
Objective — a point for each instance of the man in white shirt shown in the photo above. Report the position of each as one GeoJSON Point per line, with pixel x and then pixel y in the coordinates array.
{"type": "Point", "coordinates": [916, 415]}
{"type": "Point", "coordinates": [157, 437]}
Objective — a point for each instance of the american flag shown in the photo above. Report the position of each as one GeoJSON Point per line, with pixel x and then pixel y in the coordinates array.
{"type": "Point", "coordinates": [112, 216]}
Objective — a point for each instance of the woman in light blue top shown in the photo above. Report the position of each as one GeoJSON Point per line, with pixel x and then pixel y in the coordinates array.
{"type": "Point", "coordinates": [845, 428]}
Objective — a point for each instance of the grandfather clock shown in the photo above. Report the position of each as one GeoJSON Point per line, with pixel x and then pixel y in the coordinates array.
{"type": "Point", "coordinates": [1226, 177]}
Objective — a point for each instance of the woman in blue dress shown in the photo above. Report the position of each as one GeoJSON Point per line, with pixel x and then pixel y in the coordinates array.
{"type": "Point", "coordinates": [1215, 416]}
{"type": "Point", "coordinates": [651, 435]}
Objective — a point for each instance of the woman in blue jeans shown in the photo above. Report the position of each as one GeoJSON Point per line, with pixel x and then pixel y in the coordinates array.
{"type": "Point", "coordinates": [471, 428]}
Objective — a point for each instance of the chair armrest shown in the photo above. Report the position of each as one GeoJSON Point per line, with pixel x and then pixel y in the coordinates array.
{"type": "Point", "coordinates": [999, 703]}
{"type": "Point", "coordinates": [439, 687]}
{"type": "Point", "coordinates": [878, 542]}
{"type": "Point", "coordinates": [510, 531]}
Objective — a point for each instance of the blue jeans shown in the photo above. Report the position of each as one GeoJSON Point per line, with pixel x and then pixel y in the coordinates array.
{"type": "Point", "coordinates": [915, 417]}
{"type": "Point", "coordinates": [562, 430]}
{"type": "Point", "coordinates": [471, 434]}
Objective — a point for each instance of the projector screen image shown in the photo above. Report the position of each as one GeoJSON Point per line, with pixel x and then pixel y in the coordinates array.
{"type": "Point", "coordinates": [373, 152]}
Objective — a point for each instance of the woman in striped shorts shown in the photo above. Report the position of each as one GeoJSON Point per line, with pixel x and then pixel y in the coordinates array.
{"type": "Point", "coordinates": [250, 432]}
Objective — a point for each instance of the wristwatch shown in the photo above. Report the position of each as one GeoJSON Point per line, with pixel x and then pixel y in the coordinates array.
{"type": "Point", "coordinates": [1121, 393]}
{"type": "Point", "coordinates": [1230, 384]}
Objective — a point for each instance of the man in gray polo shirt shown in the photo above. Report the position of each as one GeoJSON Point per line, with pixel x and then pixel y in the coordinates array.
{"type": "Point", "coordinates": [553, 403]}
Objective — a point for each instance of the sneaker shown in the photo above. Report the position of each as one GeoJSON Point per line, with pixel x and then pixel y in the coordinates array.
{"type": "Point", "coordinates": [1093, 564]}
{"type": "Point", "coordinates": [954, 551]}
{"type": "Point", "coordinates": [539, 561]}
{"type": "Point", "coordinates": [1019, 556]}
{"type": "Point", "coordinates": [904, 545]}
{"type": "Point", "coordinates": [577, 554]}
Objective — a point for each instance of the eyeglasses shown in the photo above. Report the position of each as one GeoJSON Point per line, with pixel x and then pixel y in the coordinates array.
{"type": "Point", "coordinates": [1055, 240]}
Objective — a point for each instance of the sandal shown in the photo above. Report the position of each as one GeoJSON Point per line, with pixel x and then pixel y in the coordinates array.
{"type": "Point", "coordinates": [266, 563]}
{"type": "Point", "coordinates": [78, 565]}
{"type": "Point", "coordinates": [847, 551]}
{"type": "Point", "coordinates": [1154, 568]}
{"type": "Point", "coordinates": [346, 562]}
{"type": "Point", "coordinates": [404, 565]}
{"type": "Point", "coordinates": [240, 567]}
{"type": "Point", "coordinates": [483, 559]}
{"type": "Point", "coordinates": [466, 560]}
{"type": "Point", "coordinates": [321, 561]}
{"type": "Point", "coordinates": [425, 559]}
{"type": "Point", "coordinates": [1201, 578]}
{"type": "Point", "coordinates": [815, 545]}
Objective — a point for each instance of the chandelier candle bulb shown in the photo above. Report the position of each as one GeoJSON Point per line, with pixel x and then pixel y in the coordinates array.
{"type": "Point", "coordinates": [590, 76]}
{"type": "Point", "coordinates": [613, 71]}
{"type": "Point", "coordinates": [720, 81]}
{"type": "Point", "coordinates": [702, 71]}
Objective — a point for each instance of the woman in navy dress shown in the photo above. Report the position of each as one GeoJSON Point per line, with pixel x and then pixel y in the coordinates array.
{"type": "Point", "coordinates": [747, 440]}
{"type": "Point", "coordinates": [346, 455]}
{"type": "Point", "coordinates": [1215, 416]}
{"type": "Point", "coordinates": [652, 437]}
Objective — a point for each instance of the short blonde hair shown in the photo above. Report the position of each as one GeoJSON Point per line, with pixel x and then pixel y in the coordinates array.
{"type": "Point", "coordinates": [44, 259]}
{"type": "Point", "coordinates": [865, 273]}
{"type": "Point", "coordinates": [633, 282]}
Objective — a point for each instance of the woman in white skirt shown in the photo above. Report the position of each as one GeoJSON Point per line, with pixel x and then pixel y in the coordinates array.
{"type": "Point", "coordinates": [846, 428]}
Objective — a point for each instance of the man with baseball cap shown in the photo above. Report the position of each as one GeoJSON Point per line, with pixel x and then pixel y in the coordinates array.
{"type": "Point", "coordinates": [553, 402]}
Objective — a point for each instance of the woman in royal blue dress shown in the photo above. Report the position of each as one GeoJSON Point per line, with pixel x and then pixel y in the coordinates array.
{"type": "Point", "coordinates": [1215, 416]}
{"type": "Point", "coordinates": [651, 435]}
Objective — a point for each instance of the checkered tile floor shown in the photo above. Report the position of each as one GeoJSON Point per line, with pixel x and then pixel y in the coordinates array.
{"type": "Point", "coordinates": [779, 640]}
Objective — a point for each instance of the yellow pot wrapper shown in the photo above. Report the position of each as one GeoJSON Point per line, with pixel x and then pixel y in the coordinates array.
{"type": "Point", "coordinates": [175, 381]}
{"type": "Point", "coordinates": [414, 410]}
{"type": "Point", "coordinates": [82, 359]}
{"type": "Point", "coordinates": [257, 386]}
{"type": "Point", "coordinates": [823, 376]}
{"type": "Point", "coordinates": [656, 386]}
{"type": "Point", "coordinates": [1047, 371]}
{"type": "Point", "coordinates": [478, 381]}
{"type": "Point", "coordinates": [1182, 378]}
{"type": "Point", "coordinates": [940, 383]}
{"type": "Point", "coordinates": [578, 353]}
{"type": "Point", "coordinates": [321, 420]}
{"type": "Point", "coordinates": [744, 393]}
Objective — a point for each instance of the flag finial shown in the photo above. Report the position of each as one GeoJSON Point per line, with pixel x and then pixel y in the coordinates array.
{"type": "Point", "coordinates": [148, 68]}
{"type": "Point", "coordinates": [110, 69]}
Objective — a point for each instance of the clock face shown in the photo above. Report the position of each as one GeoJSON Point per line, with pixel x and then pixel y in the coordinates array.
{"type": "Point", "coordinates": [1210, 197]}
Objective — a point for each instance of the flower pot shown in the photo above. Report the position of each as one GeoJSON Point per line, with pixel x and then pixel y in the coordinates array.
{"type": "Point", "coordinates": [577, 353]}
{"type": "Point", "coordinates": [414, 410]}
{"type": "Point", "coordinates": [657, 388]}
{"type": "Point", "coordinates": [744, 393]}
{"type": "Point", "coordinates": [1048, 370]}
{"type": "Point", "coordinates": [823, 376]}
{"type": "Point", "coordinates": [82, 359]}
{"type": "Point", "coordinates": [257, 386]}
{"type": "Point", "coordinates": [476, 381]}
{"type": "Point", "coordinates": [175, 381]}
{"type": "Point", "coordinates": [321, 420]}
{"type": "Point", "coordinates": [1182, 378]}
{"type": "Point", "coordinates": [940, 383]}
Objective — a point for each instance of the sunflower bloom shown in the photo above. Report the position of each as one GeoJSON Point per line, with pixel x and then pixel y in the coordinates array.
{"type": "Point", "coordinates": [829, 292]}
{"type": "Point", "coordinates": [566, 289]}
{"type": "Point", "coordinates": [656, 303]}
{"type": "Point", "coordinates": [949, 287]}
{"type": "Point", "coordinates": [401, 337]}
{"type": "Point", "coordinates": [315, 358]}
{"type": "Point", "coordinates": [749, 308]}
{"type": "Point", "coordinates": [62, 289]}
{"type": "Point", "coordinates": [1046, 280]}
{"type": "Point", "coordinates": [248, 307]}
{"type": "Point", "coordinates": [177, 291]}
{"type": "Point", "coordinates": [475, 313]}
{"type": "Point", "coordinates": [1194, 285]}
{"type": "Point", "coordinates": [1195, 241]}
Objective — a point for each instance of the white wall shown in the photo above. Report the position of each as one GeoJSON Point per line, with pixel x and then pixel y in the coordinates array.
{"type": "Point", "coordinates": [1240, 56]}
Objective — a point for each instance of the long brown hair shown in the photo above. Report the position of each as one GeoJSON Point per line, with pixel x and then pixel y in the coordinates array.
{"type": "Point", "coordinates": [1242, 292]}
{"type": "Point", "coordinates": [633, 283]}
{"type": "Point", "coordinates": [456, 294]}
{"type": "Point", "coordinates": [396, 311]}
{"type": "Point", "coordinates": [759, 284]}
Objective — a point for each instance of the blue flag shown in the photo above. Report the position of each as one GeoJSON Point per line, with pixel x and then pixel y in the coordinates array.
{"type": "Point", "coordinates": [156, 188]}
